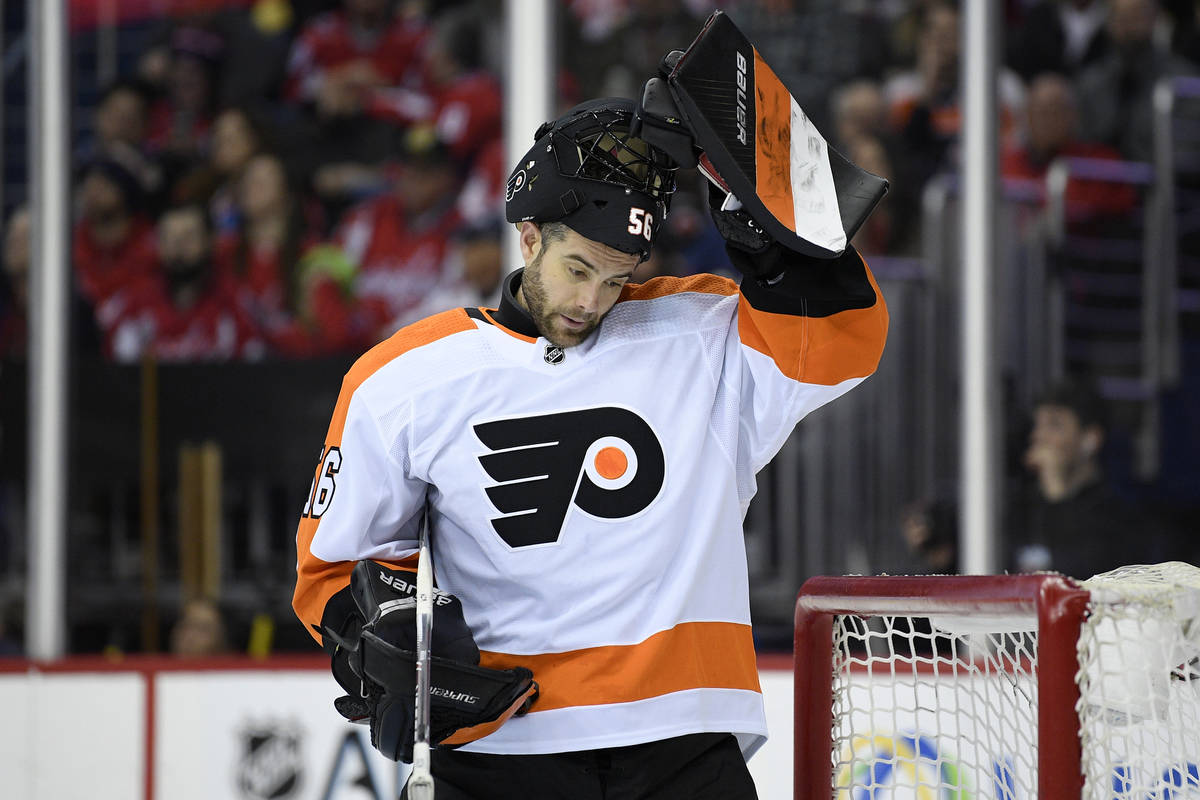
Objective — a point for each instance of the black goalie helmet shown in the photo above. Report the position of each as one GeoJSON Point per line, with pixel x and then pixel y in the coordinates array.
{"type": "Point", "coordinates": [587, 171]}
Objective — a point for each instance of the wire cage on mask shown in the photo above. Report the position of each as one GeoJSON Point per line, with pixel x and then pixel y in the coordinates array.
{"type": "Point", "coordinates": [597, 145]}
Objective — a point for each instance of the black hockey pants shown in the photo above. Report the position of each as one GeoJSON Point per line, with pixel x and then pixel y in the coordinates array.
{"type": "Point", "coordinates": [701, 766]}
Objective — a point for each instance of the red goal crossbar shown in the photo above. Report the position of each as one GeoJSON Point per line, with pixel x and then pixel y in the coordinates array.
{"type": "Point", "coordinates": [1058, 604]}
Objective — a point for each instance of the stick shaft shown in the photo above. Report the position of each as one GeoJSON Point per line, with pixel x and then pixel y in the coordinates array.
{"type": "Point", "coordinates": [420, 785]}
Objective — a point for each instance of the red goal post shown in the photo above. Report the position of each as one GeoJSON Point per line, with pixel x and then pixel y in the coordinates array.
{"type": "Point", "coordinates": [1052, 605]}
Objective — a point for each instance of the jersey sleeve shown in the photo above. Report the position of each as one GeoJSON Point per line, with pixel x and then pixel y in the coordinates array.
{"type": "Point", "coordinates": [364, 502]}
{"type": "Point", "coordinates": [801, 343]}
{"type": "Point", "coordinates": [362, 505]}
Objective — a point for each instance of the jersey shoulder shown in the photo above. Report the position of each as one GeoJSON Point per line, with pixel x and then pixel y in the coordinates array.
{"type": "Point", "coordinates": [666, 307]}
{"type": "Point", "coordinates": [666, 286]}
{"type": "Point", "coordinates": [408, 339]}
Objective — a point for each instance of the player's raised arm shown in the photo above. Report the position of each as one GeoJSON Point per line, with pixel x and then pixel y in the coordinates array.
{"type": "Point", "coordinates": [822, 321]}
{"type": "Point", "coordinates": [785, 202]}
{"type": "Point", "coordinates": [811, 322]}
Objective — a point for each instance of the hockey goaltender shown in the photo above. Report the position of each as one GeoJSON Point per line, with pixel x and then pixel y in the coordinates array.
{"type": "Point", "coordinates": [583, 455]}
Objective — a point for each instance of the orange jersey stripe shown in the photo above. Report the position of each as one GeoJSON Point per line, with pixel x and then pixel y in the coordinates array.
{"type": "Point", "coordinates": [490, 313]}
{"type": "Point", "coordinates": [773, 143]}
{"type": "Point", "coordinates": [819, 350]}
{"type": "Point", "coordinates": [692, 655]}
{"type": "Point", "coordinates": [317, 580]}
{"type": "Point", "coordinates": [668, 285]}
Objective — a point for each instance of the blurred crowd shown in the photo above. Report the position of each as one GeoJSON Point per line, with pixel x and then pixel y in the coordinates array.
{"type": "Point", "coordinates": [301, 178]}
{"type": "Point", "coordinates": [1073, 515]}
{"type": "Point", "coordinates": [289, 179]}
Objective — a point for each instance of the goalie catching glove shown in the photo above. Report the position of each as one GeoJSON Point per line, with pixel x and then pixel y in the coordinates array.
{"type": "Point", "coordinates": [374, 659]}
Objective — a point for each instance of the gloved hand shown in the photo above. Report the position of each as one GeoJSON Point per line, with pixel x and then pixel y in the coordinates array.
{"type": "Point", "coordinates": [376, 664]}
{"type": "Point", "coordinates": [658, 120]}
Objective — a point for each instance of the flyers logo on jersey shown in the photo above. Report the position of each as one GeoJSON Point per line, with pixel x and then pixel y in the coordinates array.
{"type": "Point", "coordinates": [607, 462]}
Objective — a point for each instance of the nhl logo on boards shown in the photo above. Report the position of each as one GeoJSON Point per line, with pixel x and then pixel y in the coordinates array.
{"type": "Point", "coordinates": [271, 766]}
{"type": "Point", "coordinates": [554, 354]}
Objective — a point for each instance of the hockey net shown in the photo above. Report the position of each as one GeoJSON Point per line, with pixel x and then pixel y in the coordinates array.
{"type": "Point", "coordinates": [1011, 687]}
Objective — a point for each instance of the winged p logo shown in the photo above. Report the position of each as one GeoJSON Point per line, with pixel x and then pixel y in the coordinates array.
{"type": "Point", "coordinates": [606, 461]}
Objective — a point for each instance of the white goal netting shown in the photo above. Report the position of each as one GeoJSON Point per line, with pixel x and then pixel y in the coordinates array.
{"type": "Point", "coordinates": [930, 705]}
{"type": "Point", "coordinates": [925, 709]}
{"type": "Point", "coordinates": [1139, 679]}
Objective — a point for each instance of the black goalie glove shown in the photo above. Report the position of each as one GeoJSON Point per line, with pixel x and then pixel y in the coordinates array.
{"type": "Point", "coordinates": [375, 661]}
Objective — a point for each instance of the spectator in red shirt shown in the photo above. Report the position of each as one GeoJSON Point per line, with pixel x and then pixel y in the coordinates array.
{"type": "Point", "coordinates": [113, 245]}
{"type": "Point", "coordinates": [237, 136]}
{"type": "Point", "coordinates": [398, 241]}
{"type": "Point", "coordinates": [180, 122]}
{"type": "Point", "coordinates": [471, 275]}
{"type": "Point", "coordinates": [14, 294]}
{"type": "Point", "coordinates": [337, 61]}
{"type": "Point", "coordinates": [263, 257]}
{"type": "Point", "coordinates": [1052, 132]}
{"type": "Point", "coordinates": [188, 311]}
{"type": "Point", "coordinates": [483, 189]}
{"type": "Point", "coordinates": [341, 55]}
{"type": "Point", "coordinates": [463, 98]}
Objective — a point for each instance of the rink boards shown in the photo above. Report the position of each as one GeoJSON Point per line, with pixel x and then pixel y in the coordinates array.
{"type": "Point", "coordinates": [235, 729]}
{"type": "Point", "coordinates": [228, 729]}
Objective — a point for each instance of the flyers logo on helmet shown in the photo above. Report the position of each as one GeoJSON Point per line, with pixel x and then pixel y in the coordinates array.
{"type": "Point", "coordinates": [606, 461]}
{"type": "Point", "coordinates": [515, 184]}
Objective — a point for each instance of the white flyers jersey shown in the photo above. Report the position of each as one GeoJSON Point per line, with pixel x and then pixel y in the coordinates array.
{"type": "Point", "coordinates": [586, 504]}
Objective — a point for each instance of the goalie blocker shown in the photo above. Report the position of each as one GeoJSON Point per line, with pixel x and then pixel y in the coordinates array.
{"type": "Point", "coordinates": [719, 106]}
{"type": "Point", "coordinates": [373, 652]}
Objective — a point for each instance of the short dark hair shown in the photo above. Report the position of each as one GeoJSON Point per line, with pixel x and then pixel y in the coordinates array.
{"type": "Point", "coordinates": [552, 232]}
{"type": "Point", "coordinates": [1081, 396]}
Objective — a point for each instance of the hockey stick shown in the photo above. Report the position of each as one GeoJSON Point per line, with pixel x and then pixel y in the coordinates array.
{"type": "Point", "coordinates": [420, 784]}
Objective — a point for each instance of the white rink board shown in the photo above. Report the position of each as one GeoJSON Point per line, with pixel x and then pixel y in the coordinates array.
{"type": "Point", "coordinates": [771, 766]}
{"type": "Point", "coordinates": [66, 735]}
{"type": "Point", "coordinates": [230, 734]}
{"type": "Point", "coordinates": [261, 734]}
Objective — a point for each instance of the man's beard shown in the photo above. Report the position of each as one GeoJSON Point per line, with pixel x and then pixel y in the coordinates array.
{"type": "Point", "coordinates": [546, 320]}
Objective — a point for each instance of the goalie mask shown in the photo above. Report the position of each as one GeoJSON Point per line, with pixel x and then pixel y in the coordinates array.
{"type": "Point", "coordinates": [586, 171]}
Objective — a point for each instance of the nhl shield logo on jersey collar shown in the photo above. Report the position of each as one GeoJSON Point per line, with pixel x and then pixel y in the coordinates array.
{"type": "Point", "coordinates": [554, 354]}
